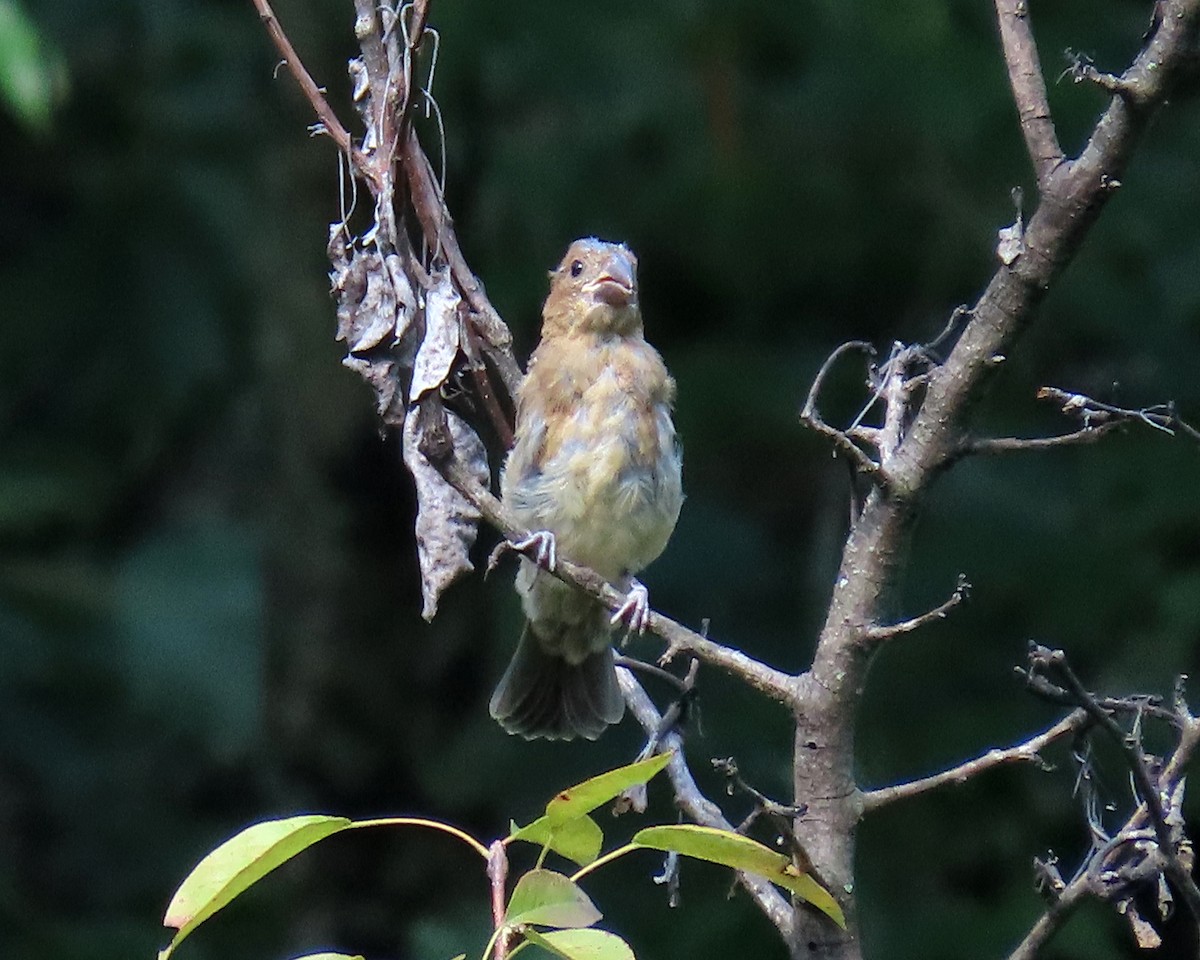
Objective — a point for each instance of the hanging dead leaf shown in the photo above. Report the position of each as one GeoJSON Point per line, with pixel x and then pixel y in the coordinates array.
{"type": "Point", "coordinates": [446, 521]}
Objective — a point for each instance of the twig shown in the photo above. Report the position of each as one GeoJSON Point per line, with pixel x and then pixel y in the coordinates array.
{"type": "Point", "coordinates": [1082, 68]}
{"type": "Point", "coordinates": [698, 807]}
{"type": "Point", "coordinates": [781, 815]}
{"type": "Point", "coordinates": [996, 445]}
{"type": "Point", "coordinates": [842, 441]}
{"type": "Point", "coordinates": [1029, 89]}
{"type": "Point", "coordinates": [329, 121]}
{"type": "Point", "coordinates": [1147, 788]}
{"type": "Point", "coordinates": [962, 591]}
{"type": "Point", "coordinates": [681, 685]}
{"type": "Point", "coordinates": [1027, 752]}
{"type": "Point", "coordinates": [1095, 413]}
{"type": "Point", "coordinates": [1055, 916]}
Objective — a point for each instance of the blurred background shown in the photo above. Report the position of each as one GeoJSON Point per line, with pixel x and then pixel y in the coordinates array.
{"type": "Point", "coordinates": [209, 607]}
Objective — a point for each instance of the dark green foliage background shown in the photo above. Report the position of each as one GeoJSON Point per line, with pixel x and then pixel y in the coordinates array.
{"type": "Point", "coordinates": [209, 610]}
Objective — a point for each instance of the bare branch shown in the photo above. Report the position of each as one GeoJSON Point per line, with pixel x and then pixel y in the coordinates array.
{"type": "Point", "coordinates": [841, 440]}
{"type": "Point", "coordinates": [1029, 89]}
{"type": "Point", "coordinates": [1095, 413]}
{"type": "Point", "coordinates": [997, 445]}
{"type": "Point", "coordinates": [313, 93]}
{"type": "Point", "coordinates": [1132, 857]}
{"type": "Point", "coordinates": [1150, 788]}
{"type": "Point", "coordinates": [1082, 68]}
{"type": "Point", "coordinates": [1049, 923]}
{"type": "Point", "coordinates": [962, 590]}
{"type": "Point", "coordinates": [698, 807]}
{"type": "Point", "coordinates": [1027, 752]}
{"type": "Point", "coordinates": [773, 683]}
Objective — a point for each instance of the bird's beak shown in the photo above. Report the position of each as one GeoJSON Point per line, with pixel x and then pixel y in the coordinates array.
{"type": "Point", "coordinates": [617, 284]}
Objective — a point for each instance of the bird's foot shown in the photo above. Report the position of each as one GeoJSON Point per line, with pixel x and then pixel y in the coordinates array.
{"type": "Point", "coordinates": [543, 547]}
{"type": "Point", "coordinates": [539, 546]}
{"type": "Point", "coordinates": [634, 613]}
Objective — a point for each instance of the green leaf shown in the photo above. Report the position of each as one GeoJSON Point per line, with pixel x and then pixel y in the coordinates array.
{"type": "Point", "coordinates": [549, 899]}
{"type": "Point", "coordinates": [239, 863]}
{"type": "Point", "coordinates": [29, 69]}
{"type": "Point", "coordinates": [336, 956]}
{"type": "Point", "coordinates": [587, 796]}
{"type": "Point", "coordinates": [741, 853]}
{"type": "Point", "coordinates": [582, 944]}
{"type": "Point", "coordinates": [578, 840]}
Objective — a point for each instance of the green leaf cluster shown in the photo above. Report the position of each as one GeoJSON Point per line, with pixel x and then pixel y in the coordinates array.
{"type": "Point", "coordinates": [546, 909]}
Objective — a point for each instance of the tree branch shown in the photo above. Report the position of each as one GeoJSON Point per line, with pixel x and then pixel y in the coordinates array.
{"type": "Point", "coordinates": [841, 439]}
{"type": "Point", "coordinates": [962, 591]}
{"type": "Point", "coordinates": [313, 93]}
{"type": "Point", "coordinates": [775, 684]}
{"type": "Point", "coordinates": [1055, 916]}
{"type": "Point", "coordinates": [1029, 89]}
{"type": "Point", "coordinates": [1073, 194]}
{"type": "Point", "coordinates": [1149, 788]}
{"type": "Point", "coordinates": [1027, 752]}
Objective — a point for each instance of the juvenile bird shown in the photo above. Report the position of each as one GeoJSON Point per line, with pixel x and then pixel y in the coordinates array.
{"type": "Point", "coordinates": [595, 472]}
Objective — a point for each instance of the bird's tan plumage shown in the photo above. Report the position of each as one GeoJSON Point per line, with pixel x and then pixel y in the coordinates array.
{"type": "Point", "coordinates": [596, 463]}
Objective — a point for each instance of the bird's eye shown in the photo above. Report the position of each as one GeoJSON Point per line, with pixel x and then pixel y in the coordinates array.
{"type": "Point", "coordinates": [576, 267]}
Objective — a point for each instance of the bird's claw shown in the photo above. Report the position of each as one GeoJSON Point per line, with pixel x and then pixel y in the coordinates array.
{"type": "Point", "coordinates": [634, 613]}
{"type": "Point", "coordinates": [544, 547]}
{"type": "Point", "coordinates": [542, 543]}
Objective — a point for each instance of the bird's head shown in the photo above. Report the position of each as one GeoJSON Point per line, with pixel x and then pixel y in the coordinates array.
{"type": "Point", "coordinates": [593, 290]}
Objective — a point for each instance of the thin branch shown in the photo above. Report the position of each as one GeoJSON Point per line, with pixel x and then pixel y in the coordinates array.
{"type": "Point", "coordinates": [438, 227]}
{"type": "Point", "coordinates": [962, 591]}
{"type": "Point", "coordinates": [698, 807]}
{"type": "Point", "coordinates": [1029, 89]}
{"type": "Point", "coordinates": [1027, 752]}
{"type": "Point", "coordinates": [780, 815]}
{"type": "Point", "coordinates": [1151, 792]}
{"type": "Point", "coordinates": [775, 684]}
{"type": "Point", "coordinates": [1055, 916]}
{"type": "Point", "coordinates": [313, 93]}
{"type": "Point", "coordinates": [996, 445]}
{"type": "Point", "coordinates": [841, 440]}
{"type": "Point", "coordinates": [1082, 68]}
{"type": "Point", "coordinates": [1095, 413]}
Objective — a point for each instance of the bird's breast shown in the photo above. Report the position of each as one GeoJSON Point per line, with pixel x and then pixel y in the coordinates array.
{"type": "Point", "coordinates": [596, 460]}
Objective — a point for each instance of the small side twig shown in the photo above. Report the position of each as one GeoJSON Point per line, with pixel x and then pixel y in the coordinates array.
{"type": "Point", "coordinates": [1081, 68]}
{"type": "Point", "coordinates": [780, 815]}
{"type": "Point", "coordinates": [1026, 752]}
{"type": "Point", "coordinates": [1067, 901]}
{"type": "Point", "coordinates": [1094, 413]}
{"type": "Point", "coordinates": [997, 445]}
{"type": "Point", "coordinates": [962, 591]}
{"type": "Point", "coordinates": [842, 442]}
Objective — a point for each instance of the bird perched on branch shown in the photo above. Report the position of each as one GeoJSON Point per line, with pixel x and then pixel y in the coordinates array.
{"type": "Point", "coordinates": [595, 472]}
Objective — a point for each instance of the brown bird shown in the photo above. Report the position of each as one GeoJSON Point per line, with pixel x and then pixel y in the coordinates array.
{"type": "Point", "coordinates": [595, 472]}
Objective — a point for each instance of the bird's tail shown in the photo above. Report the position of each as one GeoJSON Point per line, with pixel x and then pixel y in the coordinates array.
{"type": "Point", "coordinates": [545, 695]}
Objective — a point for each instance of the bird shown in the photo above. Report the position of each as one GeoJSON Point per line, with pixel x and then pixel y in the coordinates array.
{"type": "Point", "coordinates": [595, 471]}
